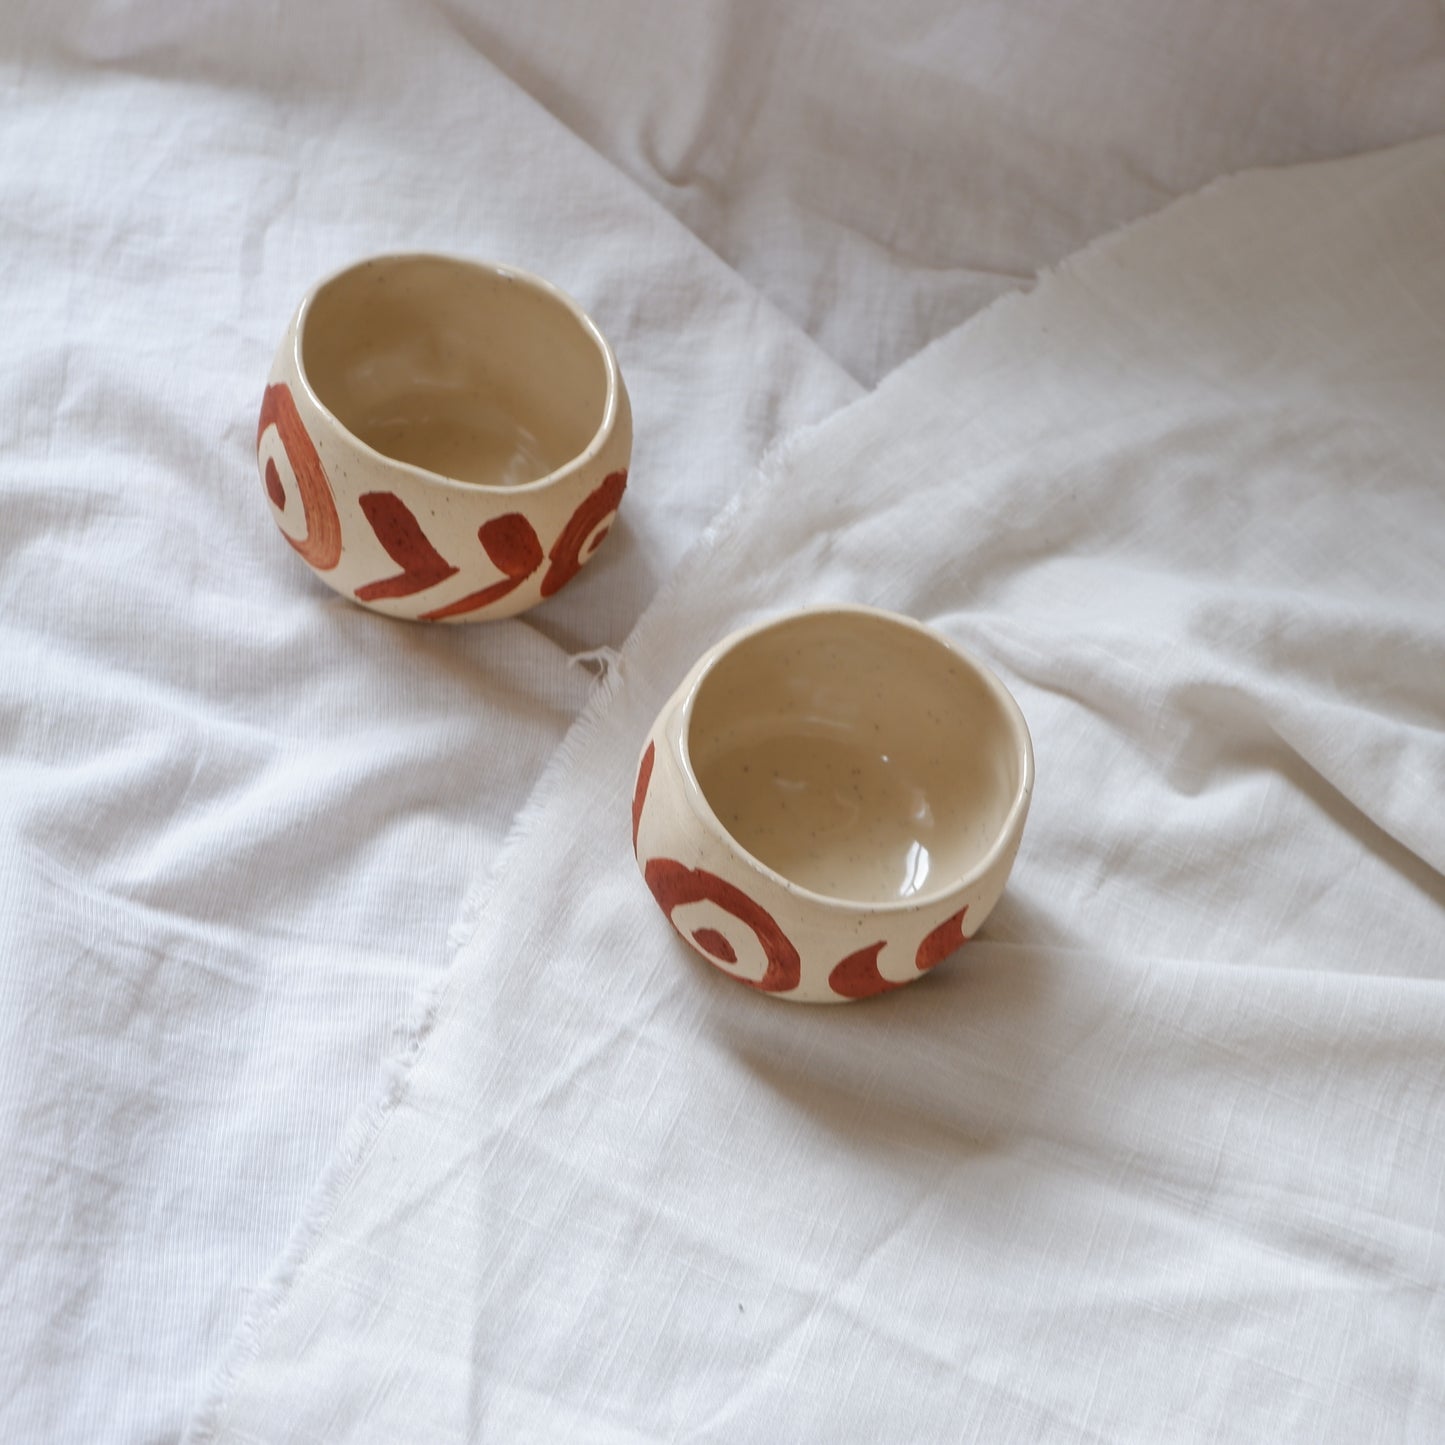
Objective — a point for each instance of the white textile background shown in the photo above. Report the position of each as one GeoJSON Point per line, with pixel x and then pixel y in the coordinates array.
{"type": "Point", "coordinates": [238, 815]}
{"type": "Point", "coordinates": [1159, 1156]}
{"type": "Point", "coordinates": [881, 172]}
{"type": "Point", "coordinates": [238, 818]}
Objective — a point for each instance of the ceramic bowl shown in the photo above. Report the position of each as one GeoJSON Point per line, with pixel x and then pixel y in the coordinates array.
{"type": "Point", "coordinates": [830, 803]}
{"type": "Point", "coordinates": [442, 439]}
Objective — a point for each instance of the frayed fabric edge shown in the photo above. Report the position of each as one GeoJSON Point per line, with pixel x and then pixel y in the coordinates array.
{"type": "Point", "coordinates": [368, 1124]}
{"type": "Point", "coordinates": [361, 1133]}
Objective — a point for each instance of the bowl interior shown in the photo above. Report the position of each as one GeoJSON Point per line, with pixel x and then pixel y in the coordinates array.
{"type": "Point", "coordinates": [476, 374]}
{"type": "Point", "coordinates": [859, 757]}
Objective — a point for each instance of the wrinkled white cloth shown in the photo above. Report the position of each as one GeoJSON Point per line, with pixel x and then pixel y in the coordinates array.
{"type": "Point", "coordinates": [881, 172]}
{"type": "Point", "coordinates": [1159, 1155]}
{"type": "Point", "coordinates": [238, 818]}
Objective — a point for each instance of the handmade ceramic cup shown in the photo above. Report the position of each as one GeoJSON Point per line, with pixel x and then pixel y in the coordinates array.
{"type": "Point", "coordinates": [830, 803]}
{"type": "Point", "coordinates": [442, 439]}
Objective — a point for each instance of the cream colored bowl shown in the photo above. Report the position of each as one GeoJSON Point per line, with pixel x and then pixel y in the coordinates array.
{"type": "Point", "coordinates": [442, 439]}
{"type": "Point", "coordinates": [831, 802]}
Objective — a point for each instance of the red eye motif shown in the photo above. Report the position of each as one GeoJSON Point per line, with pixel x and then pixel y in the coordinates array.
{"type": "Point", "coordinates": [321, 546]}
{"type": "Point", "coordinates": [674, 884]}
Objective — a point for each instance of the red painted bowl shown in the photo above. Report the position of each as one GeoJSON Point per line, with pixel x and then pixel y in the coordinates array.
{"type": "Point", "coordinates": [831, 803]}
{"type": "Point", "coordinates": [442, 439]}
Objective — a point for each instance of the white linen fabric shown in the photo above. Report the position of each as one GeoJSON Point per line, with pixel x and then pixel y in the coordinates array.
{"type": "Point", "coordinates": [238, 816]}
{"type": "Point", "coordinates": [239, 819]}
{"type": "Point", "coordinates": [1159, 1155]}
{"type": "Point", "coordinates": [881, 172]}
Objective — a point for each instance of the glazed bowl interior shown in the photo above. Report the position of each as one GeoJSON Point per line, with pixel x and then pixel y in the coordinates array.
{"type": "Point", "coordinates": [476, 374]}
{"type": "Point", "coordinates": [857, 756]}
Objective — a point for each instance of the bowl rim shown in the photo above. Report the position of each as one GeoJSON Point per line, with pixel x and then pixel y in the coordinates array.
{"type": "Point", "coordinates": [1007, 834]}
{"type": "Point", "coordinates": [612, 404]}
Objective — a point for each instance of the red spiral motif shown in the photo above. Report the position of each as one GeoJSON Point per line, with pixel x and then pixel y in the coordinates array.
{"type": "Point", "coordinates": [567, 555]}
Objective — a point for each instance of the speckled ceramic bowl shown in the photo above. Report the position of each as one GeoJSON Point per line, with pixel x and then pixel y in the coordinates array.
{"type": "Point", "coordinates": [442, 439]}
{"type": "Point", "coordinates": [831, 802]}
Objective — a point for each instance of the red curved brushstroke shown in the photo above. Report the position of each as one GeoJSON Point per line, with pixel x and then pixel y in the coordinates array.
{"type": "Point", "coordinates": [475, 601]}
{"type": "Point", "coordinates": [510, 541]}
{"type": "Point", "coordinates": [566, 553]}
{"type": "Point", "coordinates": [321, 546]}
{"type": "Point", "coordinates": [712, 942]}
{"type": "Point", "coordinates": [398, 531]}
{"type": "Point", "coordinates": [639, 793]}
{"type": "Point", "coordinates": [674, 884]}
{"type": "Point", "coordinates": [945, 939]}
{"type": "Point", "coordinates": [858, 976]}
